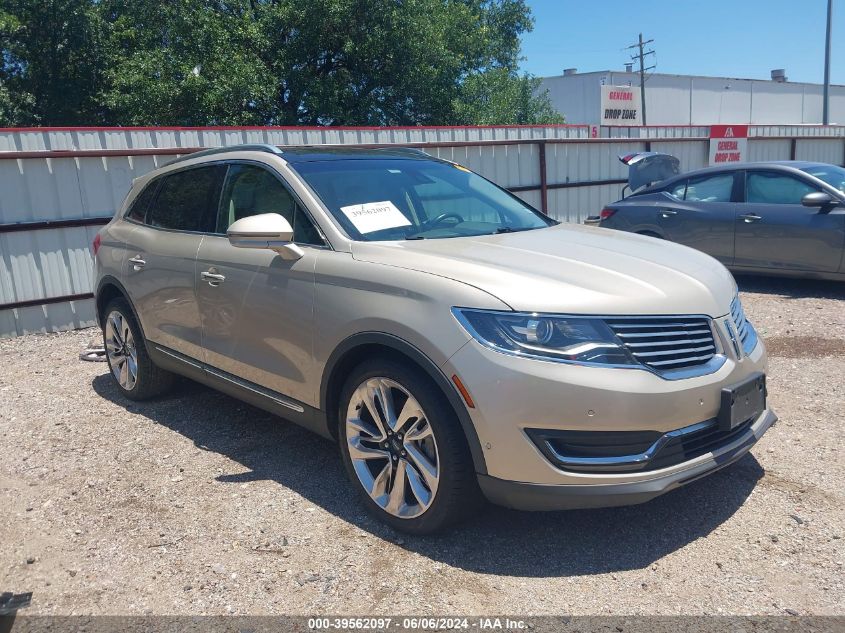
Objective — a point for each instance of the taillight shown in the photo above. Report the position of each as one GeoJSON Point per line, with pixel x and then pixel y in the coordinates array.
{"type": "Point", "coordinates": [606, 213]}
{"type": "Point", "coordinates": [95, 245]}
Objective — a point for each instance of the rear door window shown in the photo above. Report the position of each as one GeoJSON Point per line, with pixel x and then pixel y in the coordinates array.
{"type": "Point", "coordinates": [711, 188]}
{"type": "Point", "coordinates": [187, 200]}
{"type": "Point", "coordinates": [771, 187]}
{"type": "Point", "coordinates": [678, 190]}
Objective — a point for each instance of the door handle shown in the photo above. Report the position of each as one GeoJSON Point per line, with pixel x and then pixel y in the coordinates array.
{"type": "Point", "coordinates": [213, 279]}
{"type": "Point", "coordinates": [137, 262]}
{"type": "Point", "coordinates": [748, 218]}
{"type": "Point", "coordinates": [667, 213]}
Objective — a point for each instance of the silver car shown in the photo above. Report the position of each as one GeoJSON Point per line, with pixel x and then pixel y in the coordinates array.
{"type": "Point", "coordinates": [776, 218]}
{"type": "Point", "coordinates": [455, 342]}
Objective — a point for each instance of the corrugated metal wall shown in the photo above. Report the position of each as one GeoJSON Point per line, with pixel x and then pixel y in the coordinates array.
{"type": "Point", "coordinates": [70, 175]}
{"type": "Point", "coordinates": [136, 138]}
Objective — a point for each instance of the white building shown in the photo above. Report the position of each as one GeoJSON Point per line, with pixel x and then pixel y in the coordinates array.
{"type": "Point", "coordinates": [694, 100]}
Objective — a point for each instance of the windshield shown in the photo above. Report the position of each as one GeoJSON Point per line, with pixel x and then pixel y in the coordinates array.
{"type": "Point", "coordinates": [832, 175]}
{"type": "Point", "coordinates": [394, 199]}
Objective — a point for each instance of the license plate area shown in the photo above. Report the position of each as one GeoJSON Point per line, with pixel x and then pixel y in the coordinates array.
{"type": "Point", "coordinates": [742, 401]}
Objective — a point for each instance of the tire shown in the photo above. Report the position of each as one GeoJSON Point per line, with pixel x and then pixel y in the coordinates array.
{"type": "Point", "coordinates": [129, 348]}
{"type": "Point", "coordinates": [434, 439]}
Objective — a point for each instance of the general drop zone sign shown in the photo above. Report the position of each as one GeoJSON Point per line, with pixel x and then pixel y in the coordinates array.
{"type": "Point", "coordinates": [621, 105]}
{"type": "Point", "coordinates": [728, 144]}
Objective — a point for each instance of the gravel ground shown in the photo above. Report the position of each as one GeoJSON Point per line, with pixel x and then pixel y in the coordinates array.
{"type": "Point", "coordinates": [198, 504]}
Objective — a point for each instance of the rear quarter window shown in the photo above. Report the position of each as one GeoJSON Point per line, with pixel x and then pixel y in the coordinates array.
{"type": "Point", "coordinates": [138, 208]}
{"type": "Point", "coordinates": [716, 188]}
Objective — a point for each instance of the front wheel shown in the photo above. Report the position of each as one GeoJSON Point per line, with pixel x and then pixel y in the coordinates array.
{"type": "Point", "coordinates": [403, 448]}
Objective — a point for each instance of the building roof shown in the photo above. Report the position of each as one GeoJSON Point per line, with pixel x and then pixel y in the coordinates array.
{"type": "Point", "coordinates": [635, 74]}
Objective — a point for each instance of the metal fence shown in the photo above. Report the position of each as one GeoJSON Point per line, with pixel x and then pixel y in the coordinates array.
{"type": "Point", "coordinates": [58, 185]}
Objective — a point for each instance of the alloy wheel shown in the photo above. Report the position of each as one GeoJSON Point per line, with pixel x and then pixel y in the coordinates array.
{"type": "Point", "coordinates": [121, 351]}
{"type": "Point", "coordinates": [392, 447]}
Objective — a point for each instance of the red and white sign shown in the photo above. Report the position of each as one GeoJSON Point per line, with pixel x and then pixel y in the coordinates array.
{"type": "Point", "coordinates": [621, 105]}
{"type": "Point", "coordinates": [728, 144]}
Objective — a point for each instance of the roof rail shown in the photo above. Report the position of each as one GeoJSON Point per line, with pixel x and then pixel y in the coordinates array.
{"type": "Point", "coordinates": [415, 151]}
{"type": "Point", "coordinates": [247, 147]}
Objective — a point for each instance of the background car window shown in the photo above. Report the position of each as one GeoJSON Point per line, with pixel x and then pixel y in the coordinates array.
{"type": "Point", "coordinates": [716, 188]}
{"type": "Point", "coordinates": [138, 208]}
{"type": "Point", "coordinates": [831, 174]}
{"type": "Point", "coordinates": [678, 190]}
{"type": "Point", "coordinates": [768, 187]}
{"type": "Point", "coordinates": [253, 190]}
{"type": "Point", "coordinates": [186, 200]}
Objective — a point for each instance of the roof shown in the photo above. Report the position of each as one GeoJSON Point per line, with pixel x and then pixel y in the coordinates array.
{"type": "Point", "coordinates": [311, 153]}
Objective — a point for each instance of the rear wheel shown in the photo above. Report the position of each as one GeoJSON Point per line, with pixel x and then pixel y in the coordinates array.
{"type": "Point", "coordinates": [403, 448]}
{"type": "Point", "coordinates": [137, 377]}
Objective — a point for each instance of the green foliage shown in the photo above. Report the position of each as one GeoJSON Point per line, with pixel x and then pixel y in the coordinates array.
{"type": "Point", "coordinates": [499, 96]}
{"type": "Point", "coordinates": [282, 62]}
{"type": "Point", "coordinates": [50, 61]}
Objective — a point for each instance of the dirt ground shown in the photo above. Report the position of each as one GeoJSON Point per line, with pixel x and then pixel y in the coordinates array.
{"type": "Point", "coordinates": [198, 504]}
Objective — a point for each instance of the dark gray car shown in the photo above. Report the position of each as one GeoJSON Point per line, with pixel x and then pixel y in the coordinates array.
{"type": "Point", "coordinates": [778, 218]}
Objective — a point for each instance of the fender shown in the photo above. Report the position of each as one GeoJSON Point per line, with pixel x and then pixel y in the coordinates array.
{"type": "Point", "coordinates": [423, 362]}
{"type": "Point", "coordinates": [113, 281]}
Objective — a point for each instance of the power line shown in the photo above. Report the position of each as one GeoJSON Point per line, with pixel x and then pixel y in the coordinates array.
{"type": "Point", "coordinates": [641, 55]}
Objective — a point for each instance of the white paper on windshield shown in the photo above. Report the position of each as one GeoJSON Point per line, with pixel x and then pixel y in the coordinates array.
{"type": "Point", "coordinates": [375, 216]}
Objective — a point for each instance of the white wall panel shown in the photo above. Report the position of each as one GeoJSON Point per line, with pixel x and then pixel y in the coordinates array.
{"type": "Point", "coordinates": [822, 150]}
{"type": "Point", "coordinates": [507, 165]}
{"type": "Point", "coordinates": [768, 149]}
{"type": "Point", "coordinates": [574, 204]}
{"type": "Point", "coordinates": [47, 263]}
{"type": "Point", "coordinates": [584, 162]}
{"type": "Point", "coordinates": [138, 138]}
{"type": "Point", "coordinates": [55, 317]}
{"type": "Point", "coordinates": [691, 154]}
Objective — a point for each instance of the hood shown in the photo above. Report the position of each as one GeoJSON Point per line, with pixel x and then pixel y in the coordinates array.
{"type": "Point", "coordinates": [571, 269]}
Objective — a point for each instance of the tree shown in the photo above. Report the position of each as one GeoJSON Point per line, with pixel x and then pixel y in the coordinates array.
{"type": "Point", "coordinates": [499, 96]}
{"type": "Point", "coordinates": [284, 62]}
{"type": "Point", "coordinates": [50, 62]}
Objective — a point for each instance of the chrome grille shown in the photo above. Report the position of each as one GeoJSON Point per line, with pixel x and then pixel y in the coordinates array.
{"type": "Point", "coordinates": [744, 329]}
{"type": "Point", "coordinates": [666, 343]}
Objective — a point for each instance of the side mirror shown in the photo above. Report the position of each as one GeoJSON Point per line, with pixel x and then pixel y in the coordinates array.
{"type": "Point", "coordinates": [818, 199]}
{"type": "Point", "coordinates": [268, 231]}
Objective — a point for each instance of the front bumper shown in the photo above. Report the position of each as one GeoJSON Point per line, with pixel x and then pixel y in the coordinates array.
{"type": "Point", "coordinates": [515, 397]}
{"type": "Point", "coordinates": [528, 496]}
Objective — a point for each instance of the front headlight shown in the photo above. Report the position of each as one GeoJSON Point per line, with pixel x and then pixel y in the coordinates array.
{"type": "Point", "coordinates": [566, 339]}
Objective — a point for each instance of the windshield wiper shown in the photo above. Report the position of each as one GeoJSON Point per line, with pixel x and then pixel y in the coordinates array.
{"type": "Point", "coordinates": [415, 236]}
{"type": "Point", "coordinates": [510, 229]}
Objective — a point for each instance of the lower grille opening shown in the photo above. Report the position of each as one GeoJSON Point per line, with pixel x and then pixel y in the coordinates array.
{"type": "Point", "coordinates": [631, 451]}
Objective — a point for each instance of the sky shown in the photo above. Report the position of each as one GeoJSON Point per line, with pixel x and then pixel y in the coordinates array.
{"type": "Point", "coordinates": [739, 38]}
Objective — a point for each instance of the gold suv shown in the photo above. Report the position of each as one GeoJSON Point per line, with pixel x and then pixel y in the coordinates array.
{"type": "Point", "coordinates": [456, 343]}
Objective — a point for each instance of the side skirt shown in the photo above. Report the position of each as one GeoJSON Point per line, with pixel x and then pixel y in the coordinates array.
{"type": "Point", "coordinates": [278, 404]}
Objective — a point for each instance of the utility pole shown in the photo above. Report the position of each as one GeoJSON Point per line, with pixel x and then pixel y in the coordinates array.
{"type": "Point", "coordinates": [826, 98]}
{"type": "Point", "coordinates": [641, 56]}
